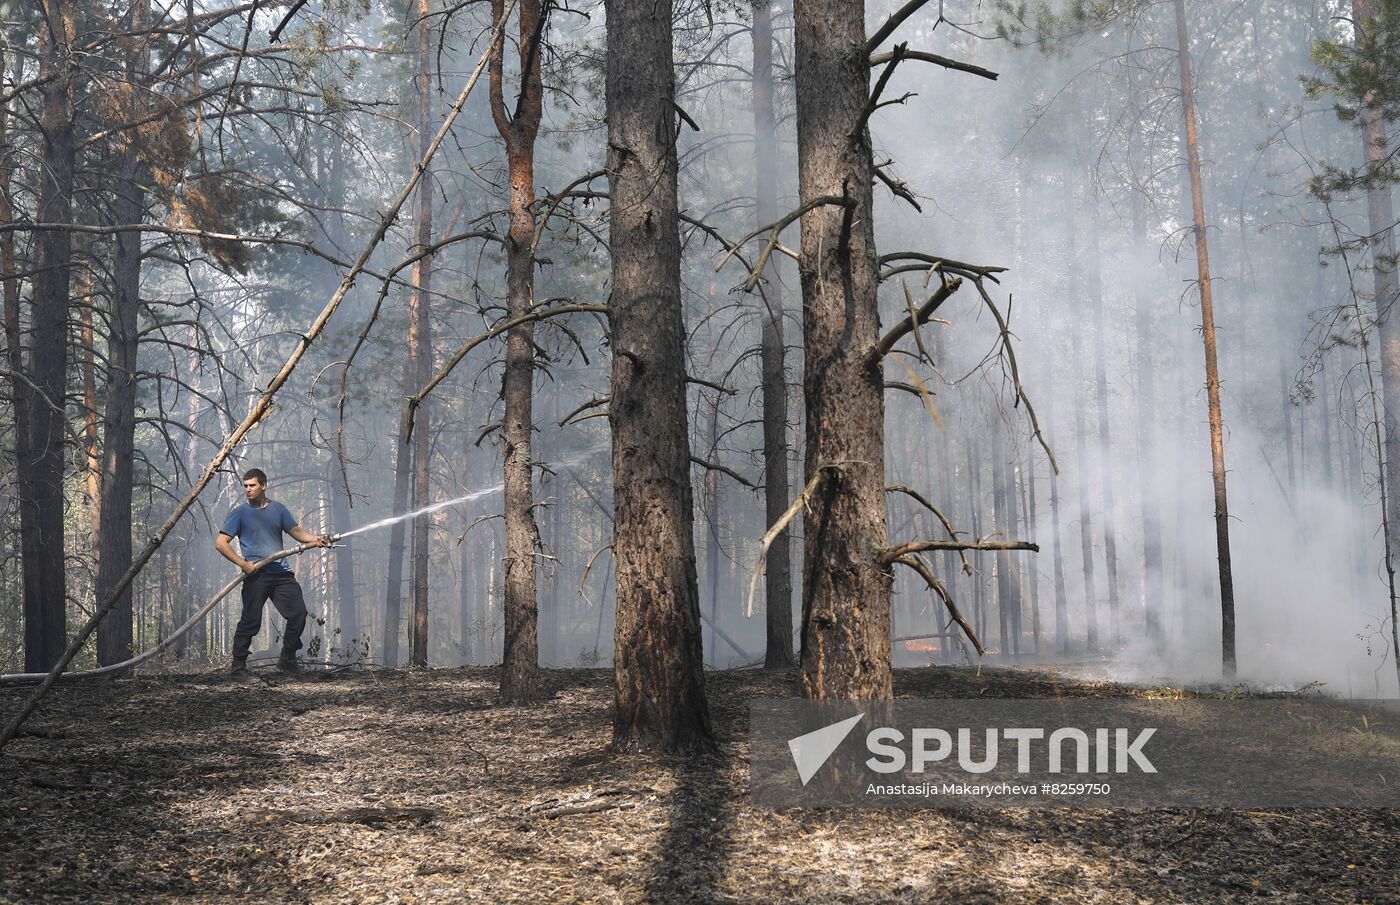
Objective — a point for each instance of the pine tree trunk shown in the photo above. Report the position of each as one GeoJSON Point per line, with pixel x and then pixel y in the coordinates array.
{"type": "Point", "coordinates": [1081, 438]}
{"type": "Point", "coordinates": [92, 459]}
{"type": "Point", "coordinates": [520, 671]}
{"type": "Point", "coordinates": [41, 471]}
{"type": "Point", "coordinates": [778, 574]}
{"type": "Point", "coordinates": [1110, 509]}
{"type": "Point", "coordinates": [420, 326]}
{"type": "Point", "coordinates": [1002, 527]}
{"type": "Point", "coordinates": [1145, 398]}
{"type": "Point", "coordinates": [846, 589]}
{"type": "Point", "coordinates": [658, 664]}
{"type": "Point", "coordinates": [9, 287]}
{"type": "Point", "coordinates": [1387, 290]}
{"type": "Point", "coordinates": [1217, 428]}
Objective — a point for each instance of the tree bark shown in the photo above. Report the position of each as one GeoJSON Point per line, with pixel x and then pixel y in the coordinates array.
{"type": "Point", "coordinates": [520, 670]}
{"type": "Point", "coordinates": [114, 633]}
{"type": "Point", "coordinates": [1217, 430]}
{"type": "Point", "coordinates": [1387, 290]}
{"type": "Point", "coordinates": [9, 286]}
{"type": "Point", "coordinates": [778, 575]}
{"type": "Point", "coordinates": [420, 326]}
{"type": "Point", "coordinates": [41, 469]}
{"type": "Point", "coordinates": [846, 590]}
{"type": "Point", "coordinates": [658, 663]}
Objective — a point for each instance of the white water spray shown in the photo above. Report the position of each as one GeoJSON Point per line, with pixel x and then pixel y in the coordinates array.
{"type": "Point", "coordinates": [474, 495]}
{"type": "Point", "coordinates": [434, 507]}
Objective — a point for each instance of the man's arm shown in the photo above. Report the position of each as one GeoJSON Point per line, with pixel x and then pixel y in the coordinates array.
{"type": "Point", "coordinates": [302, 536]}
{"type": "Point", "coordinates": [226, 551]}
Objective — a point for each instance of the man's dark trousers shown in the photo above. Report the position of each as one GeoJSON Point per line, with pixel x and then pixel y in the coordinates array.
{"type": "Point", "coordinates": [284, 592]}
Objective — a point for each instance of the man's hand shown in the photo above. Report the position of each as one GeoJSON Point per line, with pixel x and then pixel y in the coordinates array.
{"type": "Point", "coordinates": [248, 567]}
{"type": "Point", "coordinates": [324, 540]}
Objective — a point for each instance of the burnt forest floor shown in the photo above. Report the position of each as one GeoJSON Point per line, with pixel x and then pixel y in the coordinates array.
{"type": "Point", "coordinates": [389, 786]}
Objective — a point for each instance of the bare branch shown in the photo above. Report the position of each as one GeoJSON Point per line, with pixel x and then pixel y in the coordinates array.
{"type": "Point", "coordinates": [945, 62]}
{"type": "Point", "coordinates": [937, 586]}
{"type": "Point", "coordinates": [777, 528]}
{"type": "Point", "coordinates": [775, 229]}
{"type": "Point", "coordinates": [715, 466]}
{"type": "Point", "coordinates": [891, 554]}
{"type": "Point", "coordinates": [537, 315]}
{"type": "Point", "coordinates": [911, 323]}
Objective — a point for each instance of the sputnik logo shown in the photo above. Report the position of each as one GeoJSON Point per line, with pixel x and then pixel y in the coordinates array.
{"type": "Point", "coordinates": [812, 750]}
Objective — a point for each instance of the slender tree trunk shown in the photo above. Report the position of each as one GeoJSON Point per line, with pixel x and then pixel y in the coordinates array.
{"type": "Point", "coordinates": [1145, 397]}
{"type": "Point", "coordinates": [119, 417]}
{"type": "Point", "coordinates": [846, 589]}
{"type": "Point", "coordinates": [9, 286]}
{"type": "Point", "coordinates": [1002, 526]}
{"type": "Point", "coordinates": [354, 624]}
{"type": "Point", "coordinates": [420, 325]}
{"type": "Point", "coordinates": [1217, 428]}
{"type": "Point", "coordinates": [1387, 290]}
{"type": "Point", "coordinates": [1032, 530]}
{"type": "Point", "coordinates": [1081, 437]}
{"type": "Point", "coordinates": [713, 505]}
{"type": "Point", "coordinates": [778, 574]}
{"type": "Point", "coordinates": [975, 504]}
{"type": "Point", "coordinates": [41, 470]}
{"type": "Point", "coordinates": [1110, 508]}
{"type": "Point", "coordinates": [92, 464]}
{"type": "Point", "coordinates": [658, 664]}
{"type": "Point", "coordinates": [520, 671]}
{"type": "Point", "coordinates": [351, 619]}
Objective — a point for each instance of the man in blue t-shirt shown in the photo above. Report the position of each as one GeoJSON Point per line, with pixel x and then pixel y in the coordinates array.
{"type": "Point", "coordinates": [259, 525]}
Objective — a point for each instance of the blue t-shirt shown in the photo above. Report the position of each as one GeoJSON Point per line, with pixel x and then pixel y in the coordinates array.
{"type": "Point", "coordinates": [259, 532]}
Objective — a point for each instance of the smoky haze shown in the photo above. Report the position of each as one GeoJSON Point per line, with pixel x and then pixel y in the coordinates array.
{"type": "Point", "coordinates": [1067, 170]}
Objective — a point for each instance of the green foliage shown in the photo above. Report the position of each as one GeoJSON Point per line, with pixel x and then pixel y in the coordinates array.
{"type": "Point", "coordinates": [1054, 30]}
{"type": "Point", "coordinates": [1359, 68]}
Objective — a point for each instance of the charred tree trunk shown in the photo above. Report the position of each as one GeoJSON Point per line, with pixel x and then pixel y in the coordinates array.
{"type": "Point", "coordinates": [420, 326]}
{"type": "Point", "coordinates": [41, 468]}
{"type": "Point", "coordinates": [1217, 428]}
{"type": "Point", "coordinates": [778, 577]}
{"type": "Point", "coordinates": [658, 663]}
{"type": "Point", "coordinates": [520, 669]}
{"type": "Point", "coordinates": [846, 589]}
{"type": "Point", "coordinates": [119, 417]}
{"type": "Point", "coordinates": [9, 285]}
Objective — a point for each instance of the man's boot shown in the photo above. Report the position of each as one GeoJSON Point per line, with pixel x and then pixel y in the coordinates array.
{"type": "Point", "coordinates": [288, 662]}
{"type": "Point", "coordinates": [240, 672]}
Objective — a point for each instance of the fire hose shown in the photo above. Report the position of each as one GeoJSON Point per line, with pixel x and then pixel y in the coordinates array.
{"type": "Point", "coordinates": [17, 678]}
